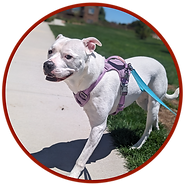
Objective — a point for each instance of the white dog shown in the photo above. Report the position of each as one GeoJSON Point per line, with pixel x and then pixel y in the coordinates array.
{"type": "Point", "coordinates": [76, 62]}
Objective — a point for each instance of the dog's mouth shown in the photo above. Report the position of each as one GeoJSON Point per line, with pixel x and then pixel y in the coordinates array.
{"type": "Point", "coordinates": [53, 78]}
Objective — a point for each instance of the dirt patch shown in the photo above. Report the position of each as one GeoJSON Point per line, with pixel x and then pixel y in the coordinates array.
{"type": "Point", "coordinates": [165, 116]}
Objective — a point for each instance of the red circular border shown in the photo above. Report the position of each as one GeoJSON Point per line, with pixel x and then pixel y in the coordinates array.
{"type": "Point", "coordinates": [48, 14]}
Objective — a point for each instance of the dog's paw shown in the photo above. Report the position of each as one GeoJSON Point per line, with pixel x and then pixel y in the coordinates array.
{"type": "Point", "coordinates": [72, 175]}
{"type": "Point", "coordinates": [134, 147]}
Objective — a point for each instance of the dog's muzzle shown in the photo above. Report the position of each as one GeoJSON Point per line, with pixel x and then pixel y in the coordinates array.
{"type": "Point", "coordinates": [48, 67]}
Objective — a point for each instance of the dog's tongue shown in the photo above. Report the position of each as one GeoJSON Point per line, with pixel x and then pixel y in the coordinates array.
{"type": "Point", "coordinates": [55, 79]}
{"type": "Point", "coordinates": [52, 79]}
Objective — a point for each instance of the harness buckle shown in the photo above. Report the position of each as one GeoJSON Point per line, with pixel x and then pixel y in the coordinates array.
{"type": "Point", "coordinates": [83, 95]}
{"type": "Point", "coordinates": [130, 67]}
{"type": "Point", "coordinates": [124, 89]}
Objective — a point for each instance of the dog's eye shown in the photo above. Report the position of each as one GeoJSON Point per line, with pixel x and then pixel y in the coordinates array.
{"type": "Point", "coordinates": [50, 52]}
{"type": "Point", "coordinates": [68, 57]}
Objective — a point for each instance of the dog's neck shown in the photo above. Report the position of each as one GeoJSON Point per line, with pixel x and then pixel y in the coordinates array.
{"type": "Point", "coordinates": [84, 78]}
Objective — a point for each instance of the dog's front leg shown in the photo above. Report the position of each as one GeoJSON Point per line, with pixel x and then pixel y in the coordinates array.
{"type": "Point", "coordinates": [92, 142]}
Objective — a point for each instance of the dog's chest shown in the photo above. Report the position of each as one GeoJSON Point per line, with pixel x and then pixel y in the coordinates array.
{"type": "Point", "coordinates": [112, 63]}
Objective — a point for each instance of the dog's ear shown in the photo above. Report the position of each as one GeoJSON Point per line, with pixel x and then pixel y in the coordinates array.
{"type": "Point", "coordinates": [90, 44]}
{"type": "Point", "coordinates": [59, 36]}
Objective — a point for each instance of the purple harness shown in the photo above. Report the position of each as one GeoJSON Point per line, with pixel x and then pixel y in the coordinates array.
{"type": "Point", "coordinates": [112, 63]}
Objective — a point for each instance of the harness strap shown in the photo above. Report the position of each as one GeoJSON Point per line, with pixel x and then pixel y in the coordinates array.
{"type": "Point", "coordinates": [118, 64]}
{"type": "Point", "coordinates": [83, 97]}
{"type": "Point", "coordinates": [112, 63]}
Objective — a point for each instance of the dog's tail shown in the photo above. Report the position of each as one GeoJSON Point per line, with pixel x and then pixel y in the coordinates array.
{"type": "Point", "coordinates": [172, 96]}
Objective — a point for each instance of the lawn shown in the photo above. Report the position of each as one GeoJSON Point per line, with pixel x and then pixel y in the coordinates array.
{"type": "Point", "coordinates": [127, 126]}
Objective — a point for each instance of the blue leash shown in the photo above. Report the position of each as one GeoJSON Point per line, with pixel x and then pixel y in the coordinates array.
{"type": "Point", "coordinates": [144, 87]}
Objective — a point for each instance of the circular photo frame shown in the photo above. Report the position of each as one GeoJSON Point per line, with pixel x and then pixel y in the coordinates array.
{"type": "Point", "coordinates": [3, 93]}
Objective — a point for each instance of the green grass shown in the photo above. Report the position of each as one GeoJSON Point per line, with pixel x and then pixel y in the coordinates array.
{"type": "Point", "coordinates": [128, 126]}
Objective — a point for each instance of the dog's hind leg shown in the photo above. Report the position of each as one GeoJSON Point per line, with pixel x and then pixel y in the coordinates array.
{"type": "Point", "coordinates": [152, 119]}
{"type": "Point", "coordinates": [142, 101]}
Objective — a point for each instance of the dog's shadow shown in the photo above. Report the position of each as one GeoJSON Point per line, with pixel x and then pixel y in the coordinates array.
{"type": "Point", "coordinates": [64, 155]}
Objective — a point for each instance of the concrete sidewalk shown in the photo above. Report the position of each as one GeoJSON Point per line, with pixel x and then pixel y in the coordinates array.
{"type": "Point", "coordinates": [46, 118]}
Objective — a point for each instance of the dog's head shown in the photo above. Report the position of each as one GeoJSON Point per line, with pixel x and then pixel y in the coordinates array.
{"type": "Point", "coordinates": [68, 56]}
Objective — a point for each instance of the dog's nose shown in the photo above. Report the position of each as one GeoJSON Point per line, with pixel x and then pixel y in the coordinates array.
{"type": "Point", "coordinates": [48, 66]}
